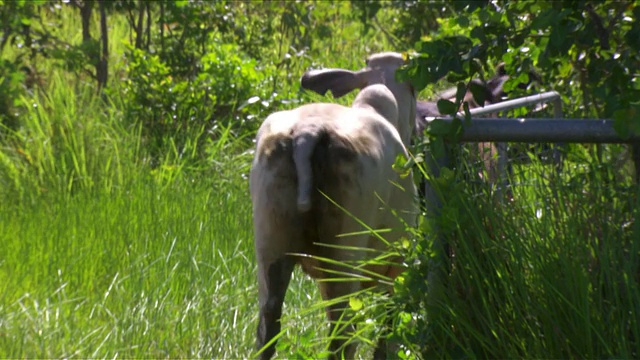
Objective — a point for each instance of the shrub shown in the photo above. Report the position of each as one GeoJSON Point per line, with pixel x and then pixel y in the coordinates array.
{"type": "Point", "coordinates": [174, 109]}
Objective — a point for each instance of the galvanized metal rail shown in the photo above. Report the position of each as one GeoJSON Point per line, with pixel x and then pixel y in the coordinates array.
{"type": "Point", "coordinates": [595, 131]}
{"type": "Point", "coordinates": [550, 96]}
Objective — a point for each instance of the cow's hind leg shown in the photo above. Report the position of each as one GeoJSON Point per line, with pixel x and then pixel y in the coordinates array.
{"type": "Point", "coordinates": [274, 280]}
{"type": "Point", "coordinates": [386, 349]}
{"type": "Point", "coordinates": [341, 279]}
{"type": "Point", "coordinates": [340, 328]}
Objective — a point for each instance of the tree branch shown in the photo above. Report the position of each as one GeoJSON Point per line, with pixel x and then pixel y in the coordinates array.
{"type": "Point", "coordinates": [617, 16]}
{"type": "Point", "coordinates": [601, 32]}
{"type": "Point", "coordinates": [389, 36]}
{"type": "Point", "coordinates": [76, 3]}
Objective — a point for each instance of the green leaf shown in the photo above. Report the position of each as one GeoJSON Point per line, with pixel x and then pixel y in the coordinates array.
{"type": "Point", "coordinates": [627, 121]}
{"type": "Point", "coordinates": [480, 93]}
{"type": "Point", "coordinates": [478, 33]}
{"type": "Point", "coordinates": [463, 21]}
{"type": "Point", "coordinates": [544, 19]}
{"type": "Point", "coordinates": [456, 130]}
{"type": "Point", "coordinates": [437, 147]}
{"type": "Point", "coordinates": [621, 123]}
{"type": "Point", "coordinates": [402, 166]}
{"type": "Point", "coordinates": [446, 107]}
{"type": "Point", "coordinates": [446, 177]}
{"type": "Point", "coordinates": [439, 127]}
{"type": "Point", "coordinates": [467, 113]}
{"type": "Point", "coordinates": [507, 58]}
{"type": "Point", "coordinates": [355, 303]}
{"type": "Point", "coordinates": [461, 92]}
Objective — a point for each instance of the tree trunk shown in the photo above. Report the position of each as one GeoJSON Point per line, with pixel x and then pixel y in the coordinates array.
{"type": "Point", "coordinates": [161, 27]}
{"type": "Point", "coordinates": [85, 12]}
{"type": "Point", "coordinates": [102, 67]}
{"type": "Point", "coordinates": [139, 24]}
{"type": "Point", "coordinates": [635, 153]}
{"type": "Point", "coordinates": [148, 32]}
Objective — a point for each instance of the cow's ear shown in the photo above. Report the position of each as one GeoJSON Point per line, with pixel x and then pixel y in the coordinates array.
{"type": "Point", "coordinates": [495, 87]}
{"type": "Point", "coordinates": [339, 81]}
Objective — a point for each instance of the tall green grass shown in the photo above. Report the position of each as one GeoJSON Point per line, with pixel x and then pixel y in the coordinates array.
{"type": "Point", "coordinates": [142, 272]}
{"type": "Point", "coordinates": [106, 254]}
{"type": "Point", "coordinates": [552, 273]}
{"type": "Point", "coordinates": [149, 270]}
{"type": "Point", "coordinates": [68, 141]}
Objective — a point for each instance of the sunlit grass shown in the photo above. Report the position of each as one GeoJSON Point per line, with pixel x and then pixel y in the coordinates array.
{"type": "Point", "coordinates": [107, 255]}
{"type": "Point", "coordinates": [149, 271]}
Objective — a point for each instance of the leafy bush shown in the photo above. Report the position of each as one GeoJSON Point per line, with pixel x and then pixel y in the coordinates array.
{"type": "Point", "coordinates": [169, 107]}
{"type": "Point", "coordinates": [11, 80]}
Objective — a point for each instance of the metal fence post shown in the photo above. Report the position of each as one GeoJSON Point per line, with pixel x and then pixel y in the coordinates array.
{"type": "Point", "coordinates": [559, 149]}
{"type": "Point", "coordinates": [635, 153]}
{"type": "Point", "coordinates": [503, 174]}
{"type": "Point", "coordinates": [439, 266]}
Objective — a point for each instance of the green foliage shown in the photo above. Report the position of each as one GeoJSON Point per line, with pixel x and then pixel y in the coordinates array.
{"type": "Point", "coordinates": [582, 50]}
{"type": "Point", "coordinates": [411, 28]}
{"type": "Point", "coordinates": [125, 212]}
{"type": "Point", "coordinates": [63, 145]}
{"type": "Point", "coordinates": [170, 107]}
{"type": "Point", "coordinates": [16, 18]}
{"type": "Point", "coordinates": [492, 287]}
{"type": "Point", "coordinates": [145, 270]}
{"type": "Point", "coordinates": [550, 273]}
{"type": "Point", "coordinates": [366, 11]}
{"type": "Point", "coordinates": [11, 89]}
